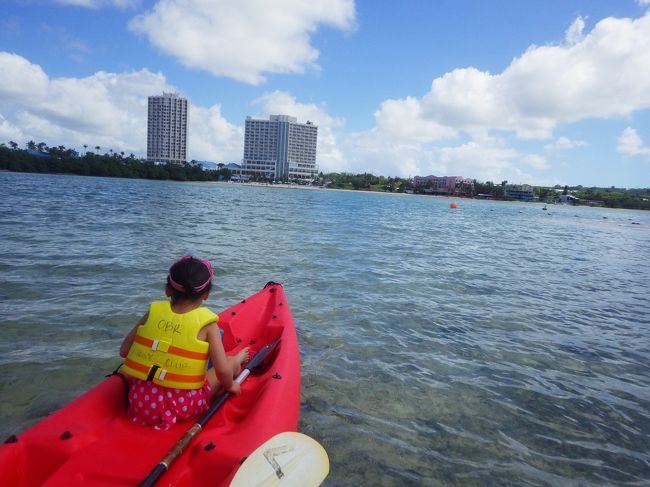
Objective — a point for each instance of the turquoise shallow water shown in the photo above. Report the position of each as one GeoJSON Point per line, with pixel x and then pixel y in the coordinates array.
{"type": "Point", "coordinates": [495, 344]}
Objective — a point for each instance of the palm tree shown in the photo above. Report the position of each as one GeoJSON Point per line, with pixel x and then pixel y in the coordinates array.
{"type": "Point", "coordinates": [31, 145]}
{"type": "Point", "coordinates": [97, 148]}
{"type": "Point", "coordinates": [85, 149]}
{"type": "Point", "coordinates": [13, 145]}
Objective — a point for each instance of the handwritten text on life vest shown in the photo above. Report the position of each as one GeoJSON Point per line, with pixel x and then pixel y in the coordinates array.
{"type": "Point", "coordinates": [170, 326]}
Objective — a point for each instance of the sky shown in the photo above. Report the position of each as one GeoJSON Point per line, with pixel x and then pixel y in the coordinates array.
{"type": "Point", "coordinates": [540, 92]}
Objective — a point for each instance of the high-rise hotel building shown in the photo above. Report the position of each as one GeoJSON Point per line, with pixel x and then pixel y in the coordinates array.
{"type": "Point", "coordinates": [280, 148]}
{"type": "Point", "coordinates": [167, 128]}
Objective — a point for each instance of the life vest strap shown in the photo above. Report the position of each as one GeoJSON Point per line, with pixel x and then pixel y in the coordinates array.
{"type": "Point", "coordinates": [152, 372]}
{"type": "Point", "coordinates": [166, 347]}
{"type": "Point", "coordinates": [160, 345]}
{"type": "Point", "coordinates": [157, 372]}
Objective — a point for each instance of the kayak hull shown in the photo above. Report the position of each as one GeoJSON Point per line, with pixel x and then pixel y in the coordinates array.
{"type": "Point", "coordinates": [90, 441]}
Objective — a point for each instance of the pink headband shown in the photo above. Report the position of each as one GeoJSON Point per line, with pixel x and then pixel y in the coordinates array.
{"type": "Point", "coordinates": [197, 289]}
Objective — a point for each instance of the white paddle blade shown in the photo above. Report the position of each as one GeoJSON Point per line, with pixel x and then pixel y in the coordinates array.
{"type": "Point", "coordinates": [288, 460]}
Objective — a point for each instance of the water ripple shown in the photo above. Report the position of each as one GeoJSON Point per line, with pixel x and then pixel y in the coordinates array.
{"type": "Point", "coordinates": [496, 344]}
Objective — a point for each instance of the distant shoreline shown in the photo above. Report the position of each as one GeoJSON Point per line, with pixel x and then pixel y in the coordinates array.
{"type": "Point", "coordinates": [304, 186]}
{"type": "Point", "coordinates": [459, 198]}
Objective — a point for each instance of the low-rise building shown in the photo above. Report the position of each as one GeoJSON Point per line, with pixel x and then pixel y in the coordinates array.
{"type": "Point", "coordinates": [521, 192]}
{"type": "Point", "coordinates": [567, 199]}
{"type": "Point", "coordinates": [234, 168]}
{"type": "Point", "coordinates": [443, 184]}
{"type": "Point", "coordinates": [209, 165]}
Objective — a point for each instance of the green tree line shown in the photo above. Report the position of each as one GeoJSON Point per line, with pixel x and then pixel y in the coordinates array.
{"type": "Point", "coordinates": [365, 181]}
{"type": "Point", "coordinates": [612, 197]}
{"type": "Point", "coordinates": [616, 197]}
{"type": "Point", "coordinates": [42, 159]}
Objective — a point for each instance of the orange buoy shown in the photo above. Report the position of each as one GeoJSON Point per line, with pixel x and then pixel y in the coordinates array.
{"type": "Point", "coordinates": [453, 205]}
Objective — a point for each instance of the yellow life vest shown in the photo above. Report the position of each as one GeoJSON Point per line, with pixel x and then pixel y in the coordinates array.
{"type": "Point", "coordinates": [165, 349]}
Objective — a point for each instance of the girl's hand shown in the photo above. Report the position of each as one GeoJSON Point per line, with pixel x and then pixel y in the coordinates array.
{"type": "Point", "coordinates": [235, 389]}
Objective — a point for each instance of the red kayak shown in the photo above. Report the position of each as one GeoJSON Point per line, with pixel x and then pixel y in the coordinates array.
{"type": "Point", "coordinates": [90, 442]}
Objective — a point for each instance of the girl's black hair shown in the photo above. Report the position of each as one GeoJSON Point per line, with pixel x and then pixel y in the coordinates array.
{"type": "Point", "coordinates": [189, 273]}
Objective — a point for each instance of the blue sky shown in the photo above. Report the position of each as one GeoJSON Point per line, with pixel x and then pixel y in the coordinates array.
{"type": "Point", "coordinates": [530, 91]}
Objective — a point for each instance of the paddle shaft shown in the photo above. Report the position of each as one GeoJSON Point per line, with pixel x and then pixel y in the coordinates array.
{"type": "Point", "coordinates": [191, 433]}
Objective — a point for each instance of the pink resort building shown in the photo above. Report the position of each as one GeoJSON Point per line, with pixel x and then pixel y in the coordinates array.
{"type": "Point", "coordinates": [442, 184]}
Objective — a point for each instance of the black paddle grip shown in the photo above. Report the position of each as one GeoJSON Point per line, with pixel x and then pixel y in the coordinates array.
{"type": "Point", "coordinates": [153, 476]}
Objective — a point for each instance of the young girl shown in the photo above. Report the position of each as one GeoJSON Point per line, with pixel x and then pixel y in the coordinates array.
{"type": "Point", "coordinates": [167, 351]}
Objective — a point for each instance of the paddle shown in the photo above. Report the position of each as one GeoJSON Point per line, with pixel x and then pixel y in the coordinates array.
{"type": "Point", "coordinates": [259, 363]}
{"type": "Point", "coordinates": [288, 459]}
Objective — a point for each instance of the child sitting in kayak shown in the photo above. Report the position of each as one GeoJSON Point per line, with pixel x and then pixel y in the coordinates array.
{"type": "Point", "coordinates": [167, 351]}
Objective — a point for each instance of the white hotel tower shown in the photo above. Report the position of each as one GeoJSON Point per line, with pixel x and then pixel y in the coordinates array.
{"type": "Point", "coordinates": [167, 128]}
{"type": "Point", "coordinates": [280, 149]}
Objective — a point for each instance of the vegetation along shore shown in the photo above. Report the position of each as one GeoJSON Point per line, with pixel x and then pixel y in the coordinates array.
{"type": "Point", "coordinates": [38, 158]}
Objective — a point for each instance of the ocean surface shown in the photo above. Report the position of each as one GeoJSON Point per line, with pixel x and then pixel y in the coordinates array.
{"type": "Point", "coordinates": [496, 344]}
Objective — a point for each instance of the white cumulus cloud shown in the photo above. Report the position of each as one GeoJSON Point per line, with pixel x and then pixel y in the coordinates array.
{"type": "Point", "coordinates": [242, 39]}
{"type": "Point", "coordinates": [574, 33]}
{"type": "Point", "coordinates": [9, 132]}
{"type": "Point", "coordinates": [602, 74]}
{"type": "Point", "coordinates": [564, 143]}
{"type": "Point", "coordinates": [404, 119]}
{"type": "Point", "coordinates": [599, 74]}
{"type": "Point", "coordinates": [483, 157]}
{"type": "Point", "coordinates": [105, 109]}
{"type": "Point", "coordinates": [212, 137]}
{"type": "Point", "coordinates": [631, 144]}
{"type": "Point", "coordinates": [535, 161]}
{"type": "Point", "coordinates": [110, 110]}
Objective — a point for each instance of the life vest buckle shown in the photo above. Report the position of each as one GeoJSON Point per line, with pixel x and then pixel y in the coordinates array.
{"type": "Point", "coordinates": [156, 372]}
{"type": "Point", "coordinates": [160, 345]}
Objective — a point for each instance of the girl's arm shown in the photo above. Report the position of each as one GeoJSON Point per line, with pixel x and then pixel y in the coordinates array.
{"type": "Point", "coordinates": [222, 367]}
{"type": "Point", "coordinates": [128, 339]}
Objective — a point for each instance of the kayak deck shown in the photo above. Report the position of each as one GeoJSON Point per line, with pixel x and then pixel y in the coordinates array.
{"type": "Point", "coordinates": [91, 442]}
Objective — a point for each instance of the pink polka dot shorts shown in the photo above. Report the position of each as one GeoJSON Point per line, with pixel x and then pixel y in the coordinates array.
{"type": "Point", "coordinates": [162, 407]}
